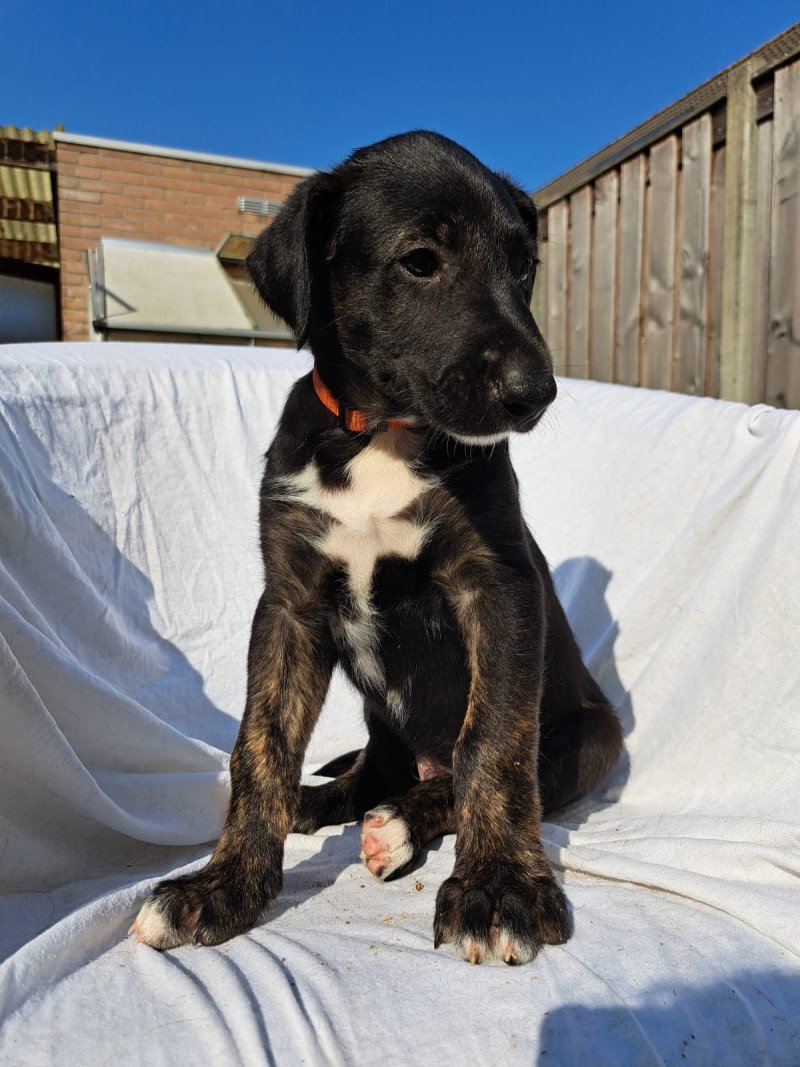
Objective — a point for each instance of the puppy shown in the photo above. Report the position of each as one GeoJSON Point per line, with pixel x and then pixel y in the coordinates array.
{"type": "Point", "coordinates": [394, 545]}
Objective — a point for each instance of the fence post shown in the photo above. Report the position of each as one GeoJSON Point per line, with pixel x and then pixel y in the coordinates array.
{"type": "Point", "coordinates": [736, 373]}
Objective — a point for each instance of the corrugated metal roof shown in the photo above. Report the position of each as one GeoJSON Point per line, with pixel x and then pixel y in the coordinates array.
{"type": "Point", "coordinates": [39, 232]}
{"type": "Point", "coordinates": [25, 133]}
{"type": "Point", "coordinates": [27, 212]}
{"type": "Point", "coordinates": [27, 148]}
{"type": "Point", "coordinates": [29, 252]}
{"type": "Point", "coordinates": [26, 183]}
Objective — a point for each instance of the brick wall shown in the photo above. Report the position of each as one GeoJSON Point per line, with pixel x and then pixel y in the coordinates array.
{"type": "Point", "coordinates": [105, 192]}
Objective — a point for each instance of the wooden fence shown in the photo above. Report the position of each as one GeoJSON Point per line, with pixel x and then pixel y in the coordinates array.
{"type": "Point", "coordinates": [671, 259]}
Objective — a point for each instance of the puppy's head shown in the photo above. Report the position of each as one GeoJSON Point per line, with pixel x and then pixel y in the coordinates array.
{"type": "Point", "coordinates": [409, 269]}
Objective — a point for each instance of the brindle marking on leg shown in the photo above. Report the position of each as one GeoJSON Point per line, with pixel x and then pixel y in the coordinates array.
{"type": "Point", "coordinates": [501, 881]}
{"type": "Point", "coordinates": [290, 661]}
{"type": "Point", "coordinates": [385, 768]}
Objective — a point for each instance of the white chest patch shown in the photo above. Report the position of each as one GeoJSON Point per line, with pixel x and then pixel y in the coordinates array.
{"type": "Point", "coordinates": [366, 527]}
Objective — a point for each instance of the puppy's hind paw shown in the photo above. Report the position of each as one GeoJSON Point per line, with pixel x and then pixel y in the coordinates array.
{"type": "Point", "coordinates": [386, 847]}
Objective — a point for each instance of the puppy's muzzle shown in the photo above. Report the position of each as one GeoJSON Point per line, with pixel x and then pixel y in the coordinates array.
{"type": "Point", "coordinates": [525, 396]}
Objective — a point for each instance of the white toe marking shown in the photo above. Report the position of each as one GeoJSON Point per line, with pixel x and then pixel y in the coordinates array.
{"type": "Point", "coordinates": [393, 836]}
{"type": "Point", "coordinates": [509, 947]}
{"type": "Point", "coordinates": [505, 947]}
{"type": "Point", "coordinates": [152, 928]}
{"type": "Point", "coordinates": [471, 950]}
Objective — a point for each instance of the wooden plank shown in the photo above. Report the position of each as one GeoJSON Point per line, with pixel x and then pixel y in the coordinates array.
{"type": "Point", "coordinates": [688, 370]}
{"type": "Point", "coordinates": [718, 118]}
{"type": "Point", "coordinates": [716, 242]}
{"type": "Point", "coordinates": [758, 349]}
{"type": "Point", "coordinates": [765, 99]}
{"type": "Point", "coordinates": [739, 230]}
{"type": "Point", "coordinates": [604, 277]}
{"type": "Point", "coordinates": [783, 351]}
{"type": "Point", "coordinates": [557, 251]}
{"type": "Point", "coordinates": [542, 284]}
{"type": "Point", "coordinates": [660, 265]}
{"type": "Point", "coordinates": [580, 212]}
{"type": "Point", "coordinates": [629, 271]}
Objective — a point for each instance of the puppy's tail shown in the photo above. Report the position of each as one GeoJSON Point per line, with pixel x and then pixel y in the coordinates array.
{"type": "Point", "coordinates": [339, 765]}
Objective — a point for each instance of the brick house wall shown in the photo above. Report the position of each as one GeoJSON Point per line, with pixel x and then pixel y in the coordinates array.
{"type": "Point", "coordinates": [121, 192]}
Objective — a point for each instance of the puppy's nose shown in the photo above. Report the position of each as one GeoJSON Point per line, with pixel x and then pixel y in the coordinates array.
{"type": "Point", "coordinates": [525, 396]}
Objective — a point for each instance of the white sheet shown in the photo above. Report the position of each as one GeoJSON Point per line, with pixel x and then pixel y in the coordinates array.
{"type": "Point", "coordinates": [129, 571]}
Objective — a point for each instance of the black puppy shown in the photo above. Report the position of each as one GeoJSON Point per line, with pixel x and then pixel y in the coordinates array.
{"type": "Point", "coordinates": [394, 544]}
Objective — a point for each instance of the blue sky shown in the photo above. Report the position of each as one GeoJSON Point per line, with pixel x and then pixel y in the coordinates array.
{"type": "Point", "coordinates": [529, 87]}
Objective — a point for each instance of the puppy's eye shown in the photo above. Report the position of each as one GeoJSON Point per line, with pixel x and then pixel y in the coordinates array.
{"type": "Point", "coordinates": [422, 263]}
{"type": "Point", "coordinates": [526, 272]}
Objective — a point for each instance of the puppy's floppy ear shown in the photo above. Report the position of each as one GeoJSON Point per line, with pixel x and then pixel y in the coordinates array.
{"type": "Point", "coordinates": [287, 262]}
{"type": "Point", "coordinates": [524, 205]}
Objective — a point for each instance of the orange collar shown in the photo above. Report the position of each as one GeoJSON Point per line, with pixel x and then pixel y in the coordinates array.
{"type": "Point", "coordinates": [350, 418]}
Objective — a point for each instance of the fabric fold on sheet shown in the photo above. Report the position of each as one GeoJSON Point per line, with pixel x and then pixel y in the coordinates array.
{"type": "Point", "coordinates": [726, 864]}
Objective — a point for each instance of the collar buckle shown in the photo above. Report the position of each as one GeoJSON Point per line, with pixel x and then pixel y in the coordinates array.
{"type": "Point", "coordinates": [341, 418]}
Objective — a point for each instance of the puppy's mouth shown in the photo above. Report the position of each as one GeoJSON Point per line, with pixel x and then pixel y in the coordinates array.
{"type": "Point", "coordinates": [525, 415]}
{"type": "Point", "coordinates": [489, 419]}
{"type": "Point", "coordinates": [477, 435]}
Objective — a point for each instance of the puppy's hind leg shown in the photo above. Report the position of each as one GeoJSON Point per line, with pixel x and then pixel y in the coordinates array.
{"type": "Point", "coordinates": [580, 739]}
{"type": "Point", "coordinates": [384, 768]}
{"type": "Point", "coordinates": [579, 751]}
{"type": "Point", "coordinates": [331, 803]}
{"type": "Point", "coordinates": [339, 764]}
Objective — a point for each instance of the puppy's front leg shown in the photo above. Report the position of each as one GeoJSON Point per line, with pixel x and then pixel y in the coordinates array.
{"type": "Point", "coordinates": [289, 667]}
{"type": "Point", "coordinates": [502, 900]}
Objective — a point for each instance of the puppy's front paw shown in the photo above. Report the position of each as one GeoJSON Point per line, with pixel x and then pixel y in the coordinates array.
{"type": "Point", "coordinates": [501, 914]}
{"type": "Point", "coordinates": [205, 908]}
{"type": "Point", "coordinates": [386, 847]}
